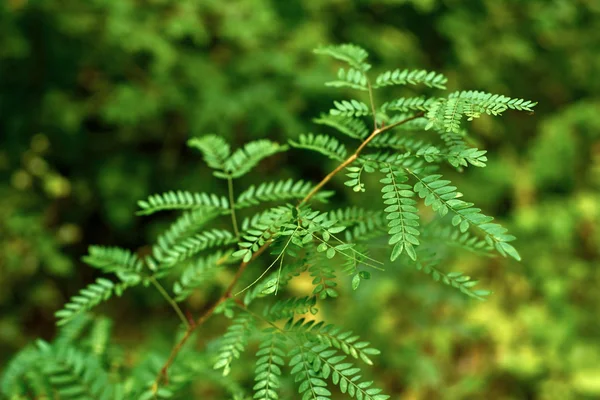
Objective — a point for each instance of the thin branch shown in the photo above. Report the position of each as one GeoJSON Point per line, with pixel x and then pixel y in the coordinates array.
{"type": "Point", "coordinates": [232, 206]}
{"type": "Point", "coordinates": [354, 156]}
{"type": "Point", "coordinates": [163, 374]}
{"type": "Point", "coordinates": [171, 301]}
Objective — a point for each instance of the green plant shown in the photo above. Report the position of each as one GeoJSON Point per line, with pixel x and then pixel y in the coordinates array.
{"type": "Point", "coordinates": [411, 139]}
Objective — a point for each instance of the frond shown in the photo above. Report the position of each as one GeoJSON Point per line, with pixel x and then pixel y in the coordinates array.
{"type": "Point", "coordinates": [351, 78]}
{"type": "Point", "coordinates": [74, 330]}
{"type": "Point", "coordinates": [281, 278]}
{"type": "Point", "coordinates": [198, 273]}
{"type": "Point", "coordinates": [428, 263]}
{"type": "Point", "coordinates": [234, 342]}
{"type": "Point", "coordinates": [76, 375]}
{"type": "Point", "coordinates": [99, 335]}
{"type": "Point", "coordinates": [413, 77]}
{"type": "Point", "coordinates": [350, 108]}
{"type": "Point", "coordinates": [310, 358]}
{"type": "Point", "coordinates": [324, 144]}
{"type": "Point", "coordinates": [354, 55]}
{"type": "Point", "coordinates": [355, 175]}
{"type": "Point", "coordinates": [397, 142]}
{"type": "Point", "coordinates": [349, 126]}
{"type": "Point", "coordinates": [362, 224]}
{"type": "Point", "coordinates": [415, 125]}
{"type": "Point", "coordinates": [246, 158]}
{"type": "Point", "coordinates": [259, 229]}
{"type": "Point", "coordinates": [214, 149]}
{"type": "Point", "coordinates": [457, 156]}
{"type": "Point", "coordinates": [287, 308]}
{"type": "Point", "coordinates": [455, 238]}
{"type": "Point", "coordinates": [181, 200]}
{"type": "Point", "coordinates": [346, 341]}
{"type": "Point", "coordinates": [277, 191]}
{"type": "Point", "coordinates": [125, 264]}
{"type": "Point", "coordinates": [442, 197]}
{"type": "Point", "coordinates": [269, 362]}
{"type": "Point", "coordinates": [323, 279]}
{"type": "Point", "coordinates": [402, 215]}
{"type": "Point", "coordinates": [188, 247]}
{"type": "Point", "coordinates": [21, 375]}
{"type": "Point", "coordinates": [311, 384]}
{"type": "Point", "coordinates": [446, 114]}
{"type": "Point", "coordinates": [89, 297]}
{"type": "Point", "coordinates": [477, 102]}
{"type": "Point", "coordinates": [185, 226]}
{"type": "Point", "coordinates": [405, 104]}
{"type": "Point", "coordinates": [322, 229]}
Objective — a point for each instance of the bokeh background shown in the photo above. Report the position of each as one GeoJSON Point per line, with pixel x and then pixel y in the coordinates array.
{"type": "Point", "coordinates": [98, 97]}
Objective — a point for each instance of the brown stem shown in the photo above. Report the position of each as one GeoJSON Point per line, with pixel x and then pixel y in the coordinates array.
{"type": "Point", "coordinates": [227, 294]}
{"type": "Point", "coordinates": [354, 156]}
{"type": "Point", "coordinates": [204, 317]}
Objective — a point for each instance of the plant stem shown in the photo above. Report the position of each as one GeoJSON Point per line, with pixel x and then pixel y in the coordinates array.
{"type": "Point", "coordinates": [232, 206]}
{"type": "Point", "coordinates": [354, 156]}
{"type": "Point", "coordinates": [170, 300]}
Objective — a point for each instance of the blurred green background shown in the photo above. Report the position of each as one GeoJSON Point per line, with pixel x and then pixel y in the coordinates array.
{"type": "Point", "coordinates": [98, 97]}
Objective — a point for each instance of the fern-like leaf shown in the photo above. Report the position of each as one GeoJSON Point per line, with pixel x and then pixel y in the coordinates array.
{"type": "Point", "coordinates": [181, 200]}
{"type": "Point", "coordinates": [413, 77]}
{"type": "Point", "coordinates": [354, 55]}
{"type": "Point", "coordinates": [402, 215]}
{"type": "Point", "coordinates": [169, 255]}
{"type": "Point", "coordinates": [259, 229]}
{"type": "Point", "coordinates": [185, 226]}
{"type": "Point", "coordinates": [246, 158]}
{"type": "Point", "coordinates": [351, 78]}
{"type": "Point", "coordinates": [214, 149]}
{"type": "Point", "coordinates": [330, 364]}
{"type": "Point", "coordinates": [268, 365]}
{"type": "Point", "coordinates": [277, 191]}
{"type": "Point", "coordinates": [285, 309]}
{"type": "Point", "coordinates": [89, 297]}
{"type": "Point", "coordinates": [234, 342]}
{"type": "Point", "coordinates": [428, 263]}
{"type": "Point", "coordinates": [350, 108]}
{"type": "Point", "coordinates": [324, 144]}
{"type": "Point", "coordinates": [345, 341]}
{"type": "Point", "coordinates": [125, 264]}
{"type": "Point", "coordinates": [74, 374]}
{"type": "Point", "coordinates": [198, 273]}
{"type": "Point", "coordinates": [349, 126]}
{"type": "Point", "coordinates": [405, 104]}
{"type": "Point", "coordinates": [311, 386]}
{"type": "Point", "coordinates": [442, 197]}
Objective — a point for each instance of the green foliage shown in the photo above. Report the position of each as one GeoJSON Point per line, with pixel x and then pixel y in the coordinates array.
{"type": "Point", "coordinates": [305, 242]}
{"type": "Point", "coordinates": [401, 213]}
{"type": "Point", "coordinates": [277, 191]}
{"type": "Point", "coordinates": [233, 342]}
{"type": "Point", "coordinates": [270, 360]}
{"type": "Point", "coordinates": [91, 296]}
{"type": "Point", "coordinates": [181, 200]}
{"type": "Point", "coordinates": [413, 77]}
{"type": "Point", "coordinates": [324, 144]}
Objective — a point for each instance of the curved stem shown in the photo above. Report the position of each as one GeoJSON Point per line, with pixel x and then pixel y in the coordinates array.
{"type": "Point", "coordinates": [354, 156]}
{"type": "Point", "coordinates": [171, 301]}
